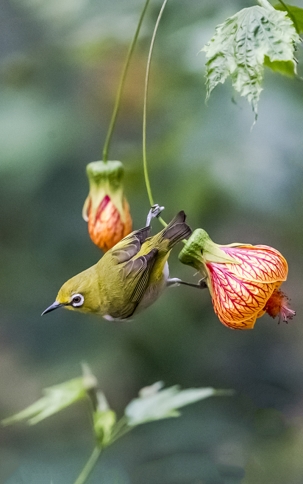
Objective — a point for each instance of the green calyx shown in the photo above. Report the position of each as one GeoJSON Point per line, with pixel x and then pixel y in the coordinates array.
{"type": "Point", "coordinates": [105, 178]}
{"type": "Point", "coordinates": [200, 249]}
{"type": "Point", "coordinates": [100, 172]}
{"type": "Point", "coordinates": [104, 422]}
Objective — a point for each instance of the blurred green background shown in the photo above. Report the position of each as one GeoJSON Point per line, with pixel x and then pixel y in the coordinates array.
{"type": "Point", "coordinates": [60, 61]}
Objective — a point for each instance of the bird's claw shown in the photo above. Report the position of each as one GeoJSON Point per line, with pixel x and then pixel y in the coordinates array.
{"type": "Point", "coordinates": [202, 283]}
{"type": "Point", "coordinates": [153, 213]}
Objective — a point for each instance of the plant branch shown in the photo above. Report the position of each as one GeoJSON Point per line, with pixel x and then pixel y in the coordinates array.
{"type": "Point", "coordinates": [121, 85]}
{"type": "Point", "coordinates": [146, 84]}
{"type": "Point", "coordinates": [121, 428]}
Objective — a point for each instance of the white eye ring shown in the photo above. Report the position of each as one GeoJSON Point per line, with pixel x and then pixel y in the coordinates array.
{"type": "Point", "coordinates": [77, 300]}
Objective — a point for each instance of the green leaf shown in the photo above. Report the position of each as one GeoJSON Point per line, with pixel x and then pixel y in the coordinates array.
{"type": "Point", "coordinates": [294, 13]}
{"type": "Point", "coordinates": [284, 68]}
{"type": "Point", "coordinates": [240, 45]}
{"type": "Point", "coordinates": [155, 404]}
{"type": "Point", "coordinates": [55, 399]}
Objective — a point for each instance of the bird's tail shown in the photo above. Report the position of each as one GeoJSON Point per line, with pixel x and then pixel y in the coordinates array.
{"type": "Point", "coordinates": [176, 230]}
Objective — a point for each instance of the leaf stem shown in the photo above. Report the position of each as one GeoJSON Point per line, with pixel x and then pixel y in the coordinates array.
{"type": "Point", "coordinates": [121, 85]}
{"type": "Point", "coordinates": [89, 466]}
{"type": "Point", "coordinates": [146, 84]}
{"type": "Point", "coordinates": [120, 434]}
{"type": "Point", "coordinates": [121, 428]}
{"type": "Point", "coordinates": [120, 425]}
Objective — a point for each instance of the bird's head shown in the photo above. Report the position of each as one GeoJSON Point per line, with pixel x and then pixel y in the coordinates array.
{"type": "Point", "coordinates": [80, 293]}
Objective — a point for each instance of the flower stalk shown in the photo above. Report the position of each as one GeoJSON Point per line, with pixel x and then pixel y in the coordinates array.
{"type": "Point", "coordinates": [146, 85]}
{"type": "Point", "coordinates": [113, 119]}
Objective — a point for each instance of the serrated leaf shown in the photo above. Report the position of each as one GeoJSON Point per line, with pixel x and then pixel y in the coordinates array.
{"type": "Point", "coordinates": [295, 14]}
{"type": "Point", "coordinates": [240, 45]}
{"type": "Point", "coordinates": [284, 68]}
{"type": "Point", "coordinates": [156, 405]}
{"type": "Point", "coordinates": [55, 399]}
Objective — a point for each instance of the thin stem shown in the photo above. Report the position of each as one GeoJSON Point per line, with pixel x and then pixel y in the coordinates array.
{"type": "Point", "coordinates": [89, 466]}
{"type": "Point", "coordinates": [121, 428]}
{"type": "Point", "coordinates": [121, 85]}
{"type": "Point", "coordinates": [146, 176]}
{"type": "Point", "coordinates": [292, 17]}
{"type": "Point", "coordinates": [122, 432]}
{"type": "Point", "coordinates": [118, 427]}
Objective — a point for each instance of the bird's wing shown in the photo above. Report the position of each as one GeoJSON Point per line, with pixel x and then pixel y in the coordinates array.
{"type": "Point", "coordinates": [128, 247]}
{"type": "Point", "coordinates": [136, 275]}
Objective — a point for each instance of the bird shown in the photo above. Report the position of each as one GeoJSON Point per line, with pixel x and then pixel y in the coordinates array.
{"type": "Point", "coordinates": [130, 276]}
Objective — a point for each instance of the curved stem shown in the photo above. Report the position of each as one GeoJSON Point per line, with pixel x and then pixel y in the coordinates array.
{"type": "Point", "coordinates": [121, 85]}
{"type": "Point", "coordinates": [146, 84]}
{"type": "Point", "coordinates": [89, 466]}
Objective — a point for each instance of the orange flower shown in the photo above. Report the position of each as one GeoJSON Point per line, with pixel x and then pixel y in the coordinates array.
{"type": "Point", "coordinates": [106, 209]}
{"type": "Point", "coordinates": [243, 279]}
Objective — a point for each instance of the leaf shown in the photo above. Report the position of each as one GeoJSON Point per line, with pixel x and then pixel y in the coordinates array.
{"type": "Point", "coordinates": [295, 14]}
{"type": "Point", "coordinates": [284, 68]}
{"type": "Point", "coordinates": [156, 404]}
{"type": "Point", "coordinates": [240, 45]}
{"type": "Point", "coordinates": [55, 399]}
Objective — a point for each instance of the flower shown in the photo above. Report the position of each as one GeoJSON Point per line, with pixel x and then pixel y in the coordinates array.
{"type": "Point", "coordinates": [106, 209]}
{"type": "Point", "coordinates": [243, 279]}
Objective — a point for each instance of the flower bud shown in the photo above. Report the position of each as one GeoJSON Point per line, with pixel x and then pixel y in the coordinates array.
{"type": "Point", "coordinates": [106, 209]}
{"type": "Point", "coordinates": [243, 279]}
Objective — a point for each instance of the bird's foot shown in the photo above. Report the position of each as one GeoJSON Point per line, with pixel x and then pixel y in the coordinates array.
{"type": "Point", "coordinates": [175, 281]}
{"type": "Point", "coordinates": [153, 213]}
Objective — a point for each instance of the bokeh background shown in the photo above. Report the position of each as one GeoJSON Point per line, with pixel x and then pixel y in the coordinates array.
{"type": "Point", "coordinates": [60, 61]}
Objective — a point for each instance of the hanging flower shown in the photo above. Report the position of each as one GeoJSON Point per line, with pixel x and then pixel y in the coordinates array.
{"type": "Point", "coordinates": [106, 209]}
{"type": "Point", "coordinates": [243, 279]}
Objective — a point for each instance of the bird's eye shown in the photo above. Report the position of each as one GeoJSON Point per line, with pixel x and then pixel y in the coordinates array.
{"type": "Point", "coordinates": [77, 300]}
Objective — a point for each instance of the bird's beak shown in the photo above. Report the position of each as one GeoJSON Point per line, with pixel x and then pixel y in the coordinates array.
{"type": "Point", "coordinates": [52, 307]}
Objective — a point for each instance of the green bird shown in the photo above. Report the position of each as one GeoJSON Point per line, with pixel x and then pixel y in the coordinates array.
{"type": "Point", "coordinates": [129, 277]}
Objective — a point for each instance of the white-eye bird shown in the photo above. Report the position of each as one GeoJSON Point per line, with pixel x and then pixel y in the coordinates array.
{"type": "Point", "coordinates": [129, 277]}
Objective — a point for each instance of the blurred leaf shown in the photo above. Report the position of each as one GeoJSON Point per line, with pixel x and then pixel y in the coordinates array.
{"type": "Point", "coordinates": [56, 398]}
{"type": "Point", "coordinates": [154, 403]}
{"type": "Point", "coordinates": [240, 44]}
{"type": "Point", "coordinates": [294, 13]}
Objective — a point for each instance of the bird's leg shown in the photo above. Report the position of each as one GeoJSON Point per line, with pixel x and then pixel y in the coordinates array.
{"type": "Point", "coordinates": [153, 213]}
{"type": "Point", "coordinates": [175, 281]}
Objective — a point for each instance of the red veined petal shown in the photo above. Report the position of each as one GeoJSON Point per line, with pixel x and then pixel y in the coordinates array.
{"type": "Point", "coordinates": [234, 299]}
{"type": "Point", "coordinates": [257, 263]}
{"type": "Point", "coordinates": [247, 324]}
{"type": "Point", "coordinates": [107, 229]}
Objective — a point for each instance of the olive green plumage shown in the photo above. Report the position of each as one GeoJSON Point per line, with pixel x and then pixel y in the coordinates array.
{"type": "Point", "coordinates": [128, 278]}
